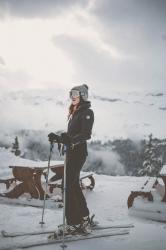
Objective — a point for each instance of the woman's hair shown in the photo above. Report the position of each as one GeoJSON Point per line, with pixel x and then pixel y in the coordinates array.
{"type": "Point", "coordinates": [71, 107]}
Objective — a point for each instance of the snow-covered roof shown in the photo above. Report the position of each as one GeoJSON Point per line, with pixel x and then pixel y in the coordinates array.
{"type": "Point", "coordinates": [163, 170]}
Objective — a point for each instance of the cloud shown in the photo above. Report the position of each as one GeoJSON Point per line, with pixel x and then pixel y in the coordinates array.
{"type": "Point", "coordinates": [14, 80]}
{"type": "Point", "coordinates": [99, 68]}
{"type": "Point", "coordinates": [105, 162]}
{"type": "Point", "coordinates": [2, 61]}
{"type": "Point", "coordinates": [37, 9]}
{"type": "Point", "coordinates": [106, 44]}
{"type": "Point", "coordinates": [131, 19]}
{"type": "Point", "coordinates": [138, 29]}
{"type": "Point", "coordinates": [90, 64]}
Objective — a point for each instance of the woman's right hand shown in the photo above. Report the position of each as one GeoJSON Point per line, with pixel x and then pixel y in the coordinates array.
{"type": "Point", "coordinates": [53, 137]}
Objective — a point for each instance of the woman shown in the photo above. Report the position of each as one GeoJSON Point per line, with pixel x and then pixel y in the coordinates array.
{"type": "Point", "coordinates": [80, 123]}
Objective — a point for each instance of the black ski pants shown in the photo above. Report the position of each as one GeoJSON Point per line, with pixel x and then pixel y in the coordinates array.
{"type": "Point", "coordinates": [76, 206]}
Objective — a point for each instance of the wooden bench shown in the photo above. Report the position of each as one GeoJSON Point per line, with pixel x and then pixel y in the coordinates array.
{"type": "Point", "coordinates": [162, 174]}
{"type": "Point", "coordinates": [8, 182]}
{"type": "Point", "coordinates": [59, 175]}
{"type": "Point", "coordinates": [28, 180]}
{"type": "Point", "coordinates": [92, 181]}
{"type": "Point", "coordinates": [144, 191]}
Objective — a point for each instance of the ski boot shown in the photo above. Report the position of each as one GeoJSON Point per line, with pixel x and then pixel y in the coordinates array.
{"type": "Point", "coordinates": [68, 230]}
{"type": "Point", "coordinates": [85, 225]}
{"type": "Point", "coordinates": [88, 223]}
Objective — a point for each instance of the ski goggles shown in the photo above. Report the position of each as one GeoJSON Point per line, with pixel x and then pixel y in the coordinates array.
{"type": "Point", "coordinates": [74, 93]}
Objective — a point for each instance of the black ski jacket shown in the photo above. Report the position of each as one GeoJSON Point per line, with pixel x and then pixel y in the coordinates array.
{"type": "Point", "coordinates": [80, 125]}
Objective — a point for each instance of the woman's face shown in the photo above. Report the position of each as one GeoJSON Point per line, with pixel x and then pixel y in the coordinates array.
{"type": "Point", "coordinates": [75, 100]}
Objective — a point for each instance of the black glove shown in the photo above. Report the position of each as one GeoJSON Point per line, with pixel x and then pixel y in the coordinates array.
{"type": "Point", "coordinates": [53, 138]}
{"type": "Point", "coordinates": [65, 139]}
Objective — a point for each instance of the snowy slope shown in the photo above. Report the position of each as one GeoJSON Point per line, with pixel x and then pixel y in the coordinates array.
{"type": "Point", "coordinates": [108, 201]}
{"type": "Point", "coordinates": [117, 114]}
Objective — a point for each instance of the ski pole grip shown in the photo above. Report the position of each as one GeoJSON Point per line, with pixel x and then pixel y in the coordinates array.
{"type": "Point", "coordinates": [65, 148]}
{"type": "Point", "coordinates": [51, 145]}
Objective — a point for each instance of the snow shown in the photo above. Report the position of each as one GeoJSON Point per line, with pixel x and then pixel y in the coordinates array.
{"type": "Point", "coordinates": [113, 119]}
{"type": "Point", "coordinates": [108, 201]}
{"type": "Point", "coordinates": [163, 171]}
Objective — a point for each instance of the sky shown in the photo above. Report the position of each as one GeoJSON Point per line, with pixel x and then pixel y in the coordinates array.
{"type": "Point", "coordinates": [108, 44]}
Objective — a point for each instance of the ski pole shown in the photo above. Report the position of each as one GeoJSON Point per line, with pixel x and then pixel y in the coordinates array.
{"type": "Point", "coordinates": [45, 191]}
{"type": "Point", "coordinates": [64, 201]}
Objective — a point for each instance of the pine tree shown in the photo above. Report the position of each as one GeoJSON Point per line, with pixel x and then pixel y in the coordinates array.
{"type": "Point", "coordinates": [15, 147]}
{"type": "Point", "coordinates": [152, 160]}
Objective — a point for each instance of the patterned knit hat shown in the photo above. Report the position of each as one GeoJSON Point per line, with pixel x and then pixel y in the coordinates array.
{"type": "Point", "coordinates": [83, 91]}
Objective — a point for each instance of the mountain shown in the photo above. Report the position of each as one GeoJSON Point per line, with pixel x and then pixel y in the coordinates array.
{"type": "Point", "coordinates": [117, 114]}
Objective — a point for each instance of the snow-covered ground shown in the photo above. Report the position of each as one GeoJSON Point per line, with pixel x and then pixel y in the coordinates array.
{"type": "Point", "coordinates": [108, 201]}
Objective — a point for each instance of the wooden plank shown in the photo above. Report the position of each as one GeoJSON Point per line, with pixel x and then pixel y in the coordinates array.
{"type": "Point", "coordinates": [146, 186]}
{"type": "Point", "coordinates": [85, 175]}
{"type": "Point", "coordinates": [38, 167]}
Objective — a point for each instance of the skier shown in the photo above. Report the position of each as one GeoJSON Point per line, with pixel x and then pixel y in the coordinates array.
{"type": "Point", "coordinates": [80, 123]}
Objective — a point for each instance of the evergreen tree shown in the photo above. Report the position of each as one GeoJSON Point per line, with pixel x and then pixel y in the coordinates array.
{"type": "Point", "coordinates": [152, 160]}
{"type": "Point", "coordinates": [15, 147]}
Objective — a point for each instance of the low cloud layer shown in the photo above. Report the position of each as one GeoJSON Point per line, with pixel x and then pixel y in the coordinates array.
{"type": "Point", "coordinates": [14, 80]}
{"type": "Point", "coordinates": [105, 162]}
{"type": "Point", "coordinates": [132, 117]}
{"type": "Point", "coordinates": [35, 8]}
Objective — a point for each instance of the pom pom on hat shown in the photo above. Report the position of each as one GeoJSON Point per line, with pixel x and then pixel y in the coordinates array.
{"type": "Point", "coordinates": [86, 86]}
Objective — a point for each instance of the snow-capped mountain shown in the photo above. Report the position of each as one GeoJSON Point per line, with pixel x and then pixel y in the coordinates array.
{"type": "Point", "coordinates": [117, 114]}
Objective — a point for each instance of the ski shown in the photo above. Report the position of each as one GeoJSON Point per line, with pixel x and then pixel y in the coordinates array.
{"type": "Point", "coordinates": [51, 204]}
{"type": "Point", "coordinates": [98, 227]}
{"type": "Point", "coordinates": [68, 239]}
